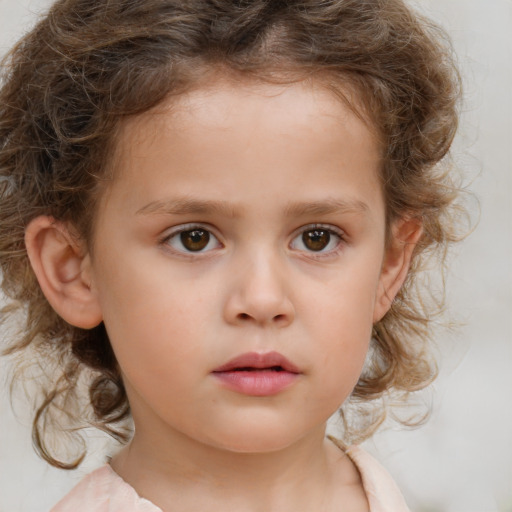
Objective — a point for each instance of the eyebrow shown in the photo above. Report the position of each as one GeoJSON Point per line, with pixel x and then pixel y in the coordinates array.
{"type": "Point", "coordinates": [187, 205]}
{"type": "Point", "coordinates": [326, 207]}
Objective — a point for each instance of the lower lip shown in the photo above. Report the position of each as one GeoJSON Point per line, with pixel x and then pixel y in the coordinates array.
{"type": "Point", "coordinates": [257, 382]}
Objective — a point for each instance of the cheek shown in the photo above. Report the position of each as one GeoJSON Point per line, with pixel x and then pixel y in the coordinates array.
{"type": "Point", "coordinates": [345, 347]}
{"type": "Point", "coordinates": [151, 317]}
{"type": "Point", "coordinates": [345, 304]}
{"type": "Point", "coordinates": [341, 324]}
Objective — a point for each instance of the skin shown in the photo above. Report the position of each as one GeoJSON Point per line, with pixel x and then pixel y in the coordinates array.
{"type": "Point", "coordinates": [255, 166]}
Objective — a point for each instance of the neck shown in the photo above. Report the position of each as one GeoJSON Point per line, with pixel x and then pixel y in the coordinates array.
{"type": "Point", "coordinates": [179, 473]}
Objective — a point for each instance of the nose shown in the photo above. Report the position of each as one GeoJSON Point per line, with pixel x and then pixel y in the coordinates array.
{"type": "Point", "coordinates": [259, 294]}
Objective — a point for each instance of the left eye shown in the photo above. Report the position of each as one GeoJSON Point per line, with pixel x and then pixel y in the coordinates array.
{"type": "Point", "coordinates": [196, 239]}
{"type": "Point", "coordinates": [317, 239]}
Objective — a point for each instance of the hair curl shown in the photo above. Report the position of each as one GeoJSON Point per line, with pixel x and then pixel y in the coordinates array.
{"type": "Point", "coordinates": [87, 65]}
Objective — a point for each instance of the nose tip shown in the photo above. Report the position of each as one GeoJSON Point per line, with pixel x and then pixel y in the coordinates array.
{"type": "Point", "coordinates": [261, 297]}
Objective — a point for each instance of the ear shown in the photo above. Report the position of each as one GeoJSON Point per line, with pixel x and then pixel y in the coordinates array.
{"type": "Point", "coordinates": [63, 269]}
{"type": "Point", "coordinates": [405, 234]}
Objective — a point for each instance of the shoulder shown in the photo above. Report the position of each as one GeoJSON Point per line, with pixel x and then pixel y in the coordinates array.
{"type": "Point", "coordinates": [103, 491]}
{"type": "Point", "coordinates": [381, 490]}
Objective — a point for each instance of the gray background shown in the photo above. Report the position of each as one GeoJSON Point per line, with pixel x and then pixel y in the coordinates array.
{"type": "Point", "coordinates": [461, 461]}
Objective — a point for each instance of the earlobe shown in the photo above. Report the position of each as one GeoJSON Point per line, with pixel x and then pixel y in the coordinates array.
{"type": "Point", "coordinates": [406, 233]}
{"type": "Point", "coordinates": [62, 268]}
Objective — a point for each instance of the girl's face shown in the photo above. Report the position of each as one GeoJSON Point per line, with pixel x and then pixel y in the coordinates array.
{"type": "Point", "coordinates": [238, 262]}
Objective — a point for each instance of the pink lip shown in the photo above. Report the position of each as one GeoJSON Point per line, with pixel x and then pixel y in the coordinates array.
{"type": "Point", "coordinates": [257, 374]}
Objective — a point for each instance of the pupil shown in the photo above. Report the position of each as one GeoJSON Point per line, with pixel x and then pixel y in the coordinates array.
{"type": "Point", "coordinates": [195, 240]}
{"type": "Point", "coordinates": [316, 240]}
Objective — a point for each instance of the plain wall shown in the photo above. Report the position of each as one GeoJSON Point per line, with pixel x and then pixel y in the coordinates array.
{"type": "Point", "coordinates": [461, 461]}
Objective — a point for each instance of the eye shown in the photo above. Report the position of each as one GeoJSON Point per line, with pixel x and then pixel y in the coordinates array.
{"type": "Point", "coordinates": [317, 239]}
{"type": "Point", "coordinates": [192, 239]}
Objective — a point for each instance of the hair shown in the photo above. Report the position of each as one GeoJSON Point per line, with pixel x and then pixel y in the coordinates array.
{"type": "Point", "coordinates": [87, 66]}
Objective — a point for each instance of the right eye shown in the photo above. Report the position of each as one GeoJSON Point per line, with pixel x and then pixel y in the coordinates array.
{"type": "Point", "coordinates": [194, 239]}
{"type": "Point", "coordinates": [317, 239]}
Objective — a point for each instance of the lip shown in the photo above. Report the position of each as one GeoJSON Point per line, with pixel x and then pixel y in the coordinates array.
{"type": "Point", "coordinates": [257, 374]}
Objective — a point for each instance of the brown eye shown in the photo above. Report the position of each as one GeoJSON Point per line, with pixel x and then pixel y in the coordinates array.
{"type": "Point", "coordinates": [195, 239]}
{"type": "Point", "coordinates": [190, 239]}
{"type": "Point", "coordinates": [316, 239]}
{"type": "Point", "coordinates": [324, 241]}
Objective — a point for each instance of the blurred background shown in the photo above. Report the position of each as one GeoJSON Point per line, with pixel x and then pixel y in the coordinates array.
{"type": "Point", "coordinates": [461, 461]}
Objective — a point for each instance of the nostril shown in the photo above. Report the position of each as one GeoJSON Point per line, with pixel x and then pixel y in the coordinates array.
{"type": "Point", "coordinates": [279, 320]}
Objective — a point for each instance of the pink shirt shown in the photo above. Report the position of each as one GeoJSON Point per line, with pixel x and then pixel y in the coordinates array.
{"type": "Point", "coordinates": [104, 490]}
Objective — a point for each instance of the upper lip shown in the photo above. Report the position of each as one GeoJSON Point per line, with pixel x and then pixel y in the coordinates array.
{"type": "Point", "coordinates": [258, 361]}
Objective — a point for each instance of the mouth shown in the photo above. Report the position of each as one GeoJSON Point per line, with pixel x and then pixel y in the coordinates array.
{"type": "Point", "coordinates": [256, 374]}
{"type": "Point", "coordinates": [254, 361]}
{"type": "Point", "coordinates": [252, 369]}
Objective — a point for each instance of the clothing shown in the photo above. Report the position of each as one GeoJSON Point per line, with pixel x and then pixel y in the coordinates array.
{"type": "Point", "coordinates": [381, 491]}
{"type": "Point", "coordinates": [104, 490]}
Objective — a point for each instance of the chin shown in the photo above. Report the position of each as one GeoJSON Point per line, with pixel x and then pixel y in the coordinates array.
{"type": "Point", "coordinates": [259, 439]}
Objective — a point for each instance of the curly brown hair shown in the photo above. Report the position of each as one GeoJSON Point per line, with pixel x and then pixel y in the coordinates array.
{"type": "Point", "coordinates": [86, 66]}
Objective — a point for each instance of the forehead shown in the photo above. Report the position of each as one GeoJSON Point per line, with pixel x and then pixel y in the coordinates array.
{"type": "Point", "coordinates": [226, 135]}
{"type": "Point", "coordinates": [212, 109]}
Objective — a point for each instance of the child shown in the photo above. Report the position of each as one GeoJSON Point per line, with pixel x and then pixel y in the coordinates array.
{"type": "Point", "coordinates": [210, 212]}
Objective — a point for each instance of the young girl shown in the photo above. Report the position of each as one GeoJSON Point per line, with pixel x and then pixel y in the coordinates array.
{"type": "Point", "coordinates": [213, 214]}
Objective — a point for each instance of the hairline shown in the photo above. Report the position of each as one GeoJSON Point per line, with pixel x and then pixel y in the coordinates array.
{"type": "Point", "coordinates": [209, 76]}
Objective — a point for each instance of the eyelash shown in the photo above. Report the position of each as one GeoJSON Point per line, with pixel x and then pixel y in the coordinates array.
{"type": "Point", "coordinates": [332, 231]}
{"type": "Point", "coordinates": [190, 228]}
